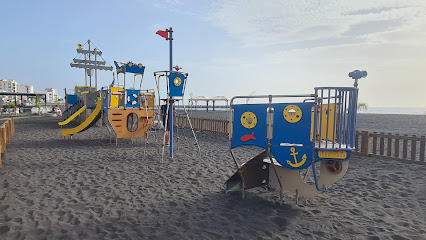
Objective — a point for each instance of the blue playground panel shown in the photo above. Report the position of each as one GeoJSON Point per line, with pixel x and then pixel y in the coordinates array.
{"type": "Point", "coordinates": [292, 140]}
{"type": "Point", "coordinates": [291, 143]}
{"type": "Point", "coordinates": [241, 133]}
{"type": "Point", "coordinates": [130, 67]}
{"type": "Point", "coordinates": [72, 98]}
{"type": "Point", "coordinates": [105, 100]}
{"type": "Point", "coordinates": [132, 98]}
{"type": "Point", "coordinates": [176, 83]}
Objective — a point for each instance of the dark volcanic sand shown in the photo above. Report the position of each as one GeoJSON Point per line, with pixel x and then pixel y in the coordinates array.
{"type": "Point", "coordinates": [86, 188]}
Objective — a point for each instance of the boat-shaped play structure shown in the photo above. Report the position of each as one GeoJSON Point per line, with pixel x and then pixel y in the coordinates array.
{"type": "Point", "coordinates": [128, 112]}
{"type": "Point", "coordinates": [303, 136]}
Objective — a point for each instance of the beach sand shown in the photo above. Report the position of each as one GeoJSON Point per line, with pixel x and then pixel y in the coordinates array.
{"type": "Point", "coordinates": [86, 188]}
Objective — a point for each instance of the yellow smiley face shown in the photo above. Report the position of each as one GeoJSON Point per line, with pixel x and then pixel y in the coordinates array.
{"type": "Point", "coordinates": [177, 81]}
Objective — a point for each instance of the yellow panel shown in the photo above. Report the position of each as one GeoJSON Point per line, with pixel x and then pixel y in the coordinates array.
{"type": "Point", "coordinates": [114, 98]}
{"type": "Point", "coordinates": [150, 97]}
{"type": "Point", "coordinates": [332, 154]}
{"type": "Point", "coordinates": [323, 128]}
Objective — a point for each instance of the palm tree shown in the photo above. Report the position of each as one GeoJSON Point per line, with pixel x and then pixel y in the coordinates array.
{"type": "Point", "coordinates": [37, 103]}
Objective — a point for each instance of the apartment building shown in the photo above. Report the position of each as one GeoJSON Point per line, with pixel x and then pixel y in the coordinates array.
{"type": "Point", "coordinates": [23, 88]}
{"type": "Point", "coordinates": [8, 85]}
{"type": "Point", "coordinates": [51, 95]}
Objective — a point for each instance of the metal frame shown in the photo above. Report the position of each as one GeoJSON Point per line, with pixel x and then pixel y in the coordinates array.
{"type": "Point", "coordinates": [157, 76]}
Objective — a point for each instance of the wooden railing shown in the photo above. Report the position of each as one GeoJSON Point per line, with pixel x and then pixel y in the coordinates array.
{"type": "Point", "coordinates": [394, 146]}
{"type": "Point", "coordinates": [205, 125]}
{"type": "Point", "coordinates": [7, 130]}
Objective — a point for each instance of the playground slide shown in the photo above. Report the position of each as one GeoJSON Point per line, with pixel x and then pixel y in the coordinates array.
{"type": "Point", "coordinates": [96, 114]}
{"type": "Point", "coordinates": [66, 121]}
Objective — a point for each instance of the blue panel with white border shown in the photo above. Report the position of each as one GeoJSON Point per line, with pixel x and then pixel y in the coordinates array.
{"type": "Point", "coordinates": [249, 126]}
{"type": "Point", "coordinates": [176, 83]}
{"type": "Point", "coordinates": [291, 143]}
{"type": "Point", "coordinates": [132, 98]}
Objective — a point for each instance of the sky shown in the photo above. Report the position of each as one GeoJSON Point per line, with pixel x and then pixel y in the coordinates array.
{"type": "Point", "coordinates": [228, 47]}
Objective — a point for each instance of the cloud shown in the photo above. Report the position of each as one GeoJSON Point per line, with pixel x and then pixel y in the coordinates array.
{"type": "Point", "coordinates": [258, 23]}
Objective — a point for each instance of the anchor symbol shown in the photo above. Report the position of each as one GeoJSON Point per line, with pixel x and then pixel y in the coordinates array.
{"type": "Point", "coordinates": [296, 164]}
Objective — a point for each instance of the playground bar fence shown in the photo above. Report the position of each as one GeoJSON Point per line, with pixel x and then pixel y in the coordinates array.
{"type": "Point", "coordinates": [404, 148]}
{"type": "Point", "coordinates": [7, 130]}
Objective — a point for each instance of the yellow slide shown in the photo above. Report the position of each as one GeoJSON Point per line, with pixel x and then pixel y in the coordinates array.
{"type": "Point", "coordinates": [72, 116]}
{"type": "Point", "coordinates": [96, 114]}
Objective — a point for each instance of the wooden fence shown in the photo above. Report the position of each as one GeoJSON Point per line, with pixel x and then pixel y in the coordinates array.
{"type": "Point", "coordinates": [393, 146]}
{"type": "Point", "coordinates": [403, 148]}
{"type": "Point", "coordinates": [7, 130]}
{"type": "Point", "coordinates": [216, 126]}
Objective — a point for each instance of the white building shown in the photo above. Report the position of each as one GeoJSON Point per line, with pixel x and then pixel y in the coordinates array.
{"type": "Point", "coordinates": [23, 88]}
{"type": "Point", "coordinates": [8, 85]}
{"type": "Point", "coordinates": [51, 95]}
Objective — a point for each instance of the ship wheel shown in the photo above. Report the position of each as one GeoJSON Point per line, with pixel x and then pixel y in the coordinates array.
{"type": "Point", "coordinates": [333, 167]}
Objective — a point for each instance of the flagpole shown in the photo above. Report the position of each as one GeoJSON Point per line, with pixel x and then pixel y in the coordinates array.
{"type": "Point", "coordinates": [171, 100]}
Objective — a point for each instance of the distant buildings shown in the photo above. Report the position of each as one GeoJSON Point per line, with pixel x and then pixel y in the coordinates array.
{"type": "Point", "coordinates": [51, 95]}
{"type": "Point", "coordinates": [11, 86]}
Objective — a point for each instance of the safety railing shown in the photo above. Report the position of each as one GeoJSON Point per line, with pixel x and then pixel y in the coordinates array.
{"type": "Point", "coordinates": [7, 130]}
{"type": "Point", "coordinates": [335, 117]}
{"type": "Point", "coordinates": [393, 146]}
{"type": "Point", "coordinates": [72, 109]}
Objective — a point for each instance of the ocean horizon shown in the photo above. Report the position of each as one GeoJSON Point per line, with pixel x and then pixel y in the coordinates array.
{"type": "Point", "coordinates": [395, 110]}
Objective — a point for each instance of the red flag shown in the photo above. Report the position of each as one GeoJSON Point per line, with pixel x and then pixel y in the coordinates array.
{"type": "Point", "coordinates": [164, 34]}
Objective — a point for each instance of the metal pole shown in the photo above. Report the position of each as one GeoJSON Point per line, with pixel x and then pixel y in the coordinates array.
{"type": "Point", "coordinates": [96, 72]}
{"type": "Point", "coordinates": [171, 100]}
{"type": "Point", "coordinates": [85, 71]}
{"type": "Point", "coordinates": [90, 70]}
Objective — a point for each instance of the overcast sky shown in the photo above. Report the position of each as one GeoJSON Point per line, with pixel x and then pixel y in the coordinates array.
{"type": "Point", "coordinates": [228, 47]}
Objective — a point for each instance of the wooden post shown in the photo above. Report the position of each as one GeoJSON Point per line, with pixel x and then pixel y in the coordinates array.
{"type": "Point", "coordinates": [413, 148]}
{"type": "Point", "coordinates": [202, 124]}
{"type": "Point", "coordinates": [404, 148]}
{"type": "Point", "coordinates": [422, 149]}
{"type": "Point", "coordinates": [4, 140]}
{"type": "Point", "coordinates": [365, 143]}
{"type": "Point", "coordinates": [375, 144]}
{"type": "Point", "coordinates": [382, 145]}
{"type": "Point", "coordinates": [396, 154]}
{"type": "Point", "coordinates": [389, 150]}
{"type": "Point", "coordinates": [6, 124]}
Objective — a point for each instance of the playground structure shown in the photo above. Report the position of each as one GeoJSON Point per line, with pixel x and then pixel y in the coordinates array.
{"type": "Point", "coordinates": [175, 91]}
{"type": "Point", "coordinates": [296, 136]}
{"type": "Point", "coordinates": [128, 112]}
{"type": "Point", "coordinates": [84, 106]}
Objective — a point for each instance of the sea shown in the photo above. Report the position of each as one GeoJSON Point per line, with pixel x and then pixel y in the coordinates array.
{"type": "Point", "coordinates": [395, 110]}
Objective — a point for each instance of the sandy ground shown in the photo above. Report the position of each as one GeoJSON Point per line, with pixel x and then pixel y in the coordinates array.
{"type": "Point", "coordinates": [86, 188]}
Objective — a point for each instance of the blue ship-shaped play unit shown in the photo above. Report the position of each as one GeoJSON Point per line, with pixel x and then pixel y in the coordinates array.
{"type": "Point", "coordinates": [297, 133]}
